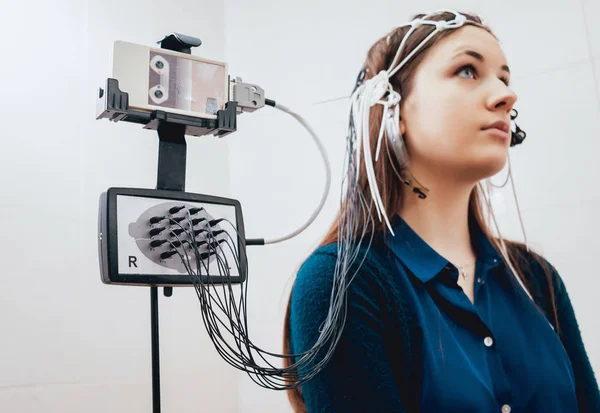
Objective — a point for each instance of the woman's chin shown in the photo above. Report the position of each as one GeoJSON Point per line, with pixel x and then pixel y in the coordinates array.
{"type": "Point", "coordinates": [490, 165]}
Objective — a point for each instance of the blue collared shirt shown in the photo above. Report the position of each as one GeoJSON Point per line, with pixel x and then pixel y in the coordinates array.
{"type": "Point", "coordinates": [498, 354]}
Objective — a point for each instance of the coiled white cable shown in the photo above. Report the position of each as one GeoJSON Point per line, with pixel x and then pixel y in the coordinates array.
{"type": "Point", "coordinates": [323, 153]}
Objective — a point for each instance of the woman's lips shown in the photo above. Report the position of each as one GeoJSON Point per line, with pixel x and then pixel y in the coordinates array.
{"type": "Point", "coordinates": [497, 132]}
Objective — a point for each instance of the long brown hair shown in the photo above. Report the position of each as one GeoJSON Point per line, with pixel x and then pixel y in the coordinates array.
{"type": "Point", "coordinates": [379, 58]}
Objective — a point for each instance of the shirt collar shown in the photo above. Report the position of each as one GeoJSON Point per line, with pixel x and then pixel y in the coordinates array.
{"type": "Point", "coordinates": [422, 260]}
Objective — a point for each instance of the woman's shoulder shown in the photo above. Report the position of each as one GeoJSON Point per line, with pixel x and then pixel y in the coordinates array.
{"type": "Point", "coordinates": [364, 272]}
{"type": "Point", "coordinates": [545, 283]}
{"type": "Point", "coordinates": [541, 271]}
{"type": "Point", "coordinates": [321, 264]}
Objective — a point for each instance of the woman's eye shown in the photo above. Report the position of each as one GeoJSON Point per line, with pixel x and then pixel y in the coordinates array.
{"type": "Point", "coordinates": [471, 69]}
{"type": "Point", "coordinates": [467, 69]}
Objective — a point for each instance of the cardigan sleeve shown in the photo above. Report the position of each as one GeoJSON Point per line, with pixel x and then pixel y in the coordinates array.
{"type": "Point", "coordinates": [358, 378]}
{"type": "Point", "coordinates": [588, 394]}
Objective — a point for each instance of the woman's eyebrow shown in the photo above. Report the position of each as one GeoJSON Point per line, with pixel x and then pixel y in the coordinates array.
{"type": "Point", "coordinates": [479, 57]}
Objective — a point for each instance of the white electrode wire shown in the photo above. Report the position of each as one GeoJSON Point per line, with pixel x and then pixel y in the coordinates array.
{"type": "Point", "coordinates": [356, 228]}
{"type": "Point", "coordinates": [327, 175]}
{"type": "Point", "coordinates": [512, 184]}
{"type": "Point", "coordinates": [504, 251]}
{"type": "Point", "coordinates": [378, 90]}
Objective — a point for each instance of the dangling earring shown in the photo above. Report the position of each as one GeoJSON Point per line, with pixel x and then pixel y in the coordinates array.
{"type": "Point", "coordinates": [519, 135]}
{"type": "Point", "coordinates": [409, 180]}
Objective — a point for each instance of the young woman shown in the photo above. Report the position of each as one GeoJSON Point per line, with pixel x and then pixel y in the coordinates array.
{"type": "Point", "coordinates": [440, 314]}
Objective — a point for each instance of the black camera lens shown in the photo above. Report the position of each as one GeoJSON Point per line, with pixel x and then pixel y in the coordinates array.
{"type": "Point", "coordinates": [158, 94]}
{"type": "Point", "coordinates": [160, 64]}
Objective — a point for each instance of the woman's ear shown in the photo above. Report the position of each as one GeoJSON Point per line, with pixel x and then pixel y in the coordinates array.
{"type": "Point", "coordinates": [402, 126]}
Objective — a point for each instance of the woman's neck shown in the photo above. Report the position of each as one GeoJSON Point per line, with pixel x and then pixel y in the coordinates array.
{"type": "Point", "coordinates": [442, 220]}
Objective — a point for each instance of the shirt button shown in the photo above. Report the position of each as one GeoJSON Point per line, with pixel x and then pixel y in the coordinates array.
{"type": "Point", "coordinates": [488, 342]}
{"type": "Point", "coordinates": [506, 408]}
{"type": "Point", "coordinates": [479, 280]}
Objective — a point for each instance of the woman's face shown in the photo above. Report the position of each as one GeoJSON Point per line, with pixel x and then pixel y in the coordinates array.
{"type": "Point", "coordinates": [454, 96]}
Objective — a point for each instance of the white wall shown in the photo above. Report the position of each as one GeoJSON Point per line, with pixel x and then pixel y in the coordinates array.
{"type": "Point", "coordinates": [69, 343]}
{"type": "Point", "coordinates": [306, 52]}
